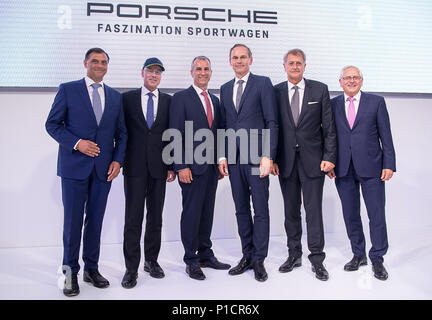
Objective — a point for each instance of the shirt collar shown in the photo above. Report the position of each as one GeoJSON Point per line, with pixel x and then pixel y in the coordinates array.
{"type": "Point", "coordinates": [89, 82]}
{"type": "Point", "coordinates": [356, 97]}
{"type": "Point", "coordinates": [301, 85]}
{"type": "Point", "coordinates": [144, 91]}
{"type": "Point", "coordinates": [245, 78]}
{"type": "Point", "coordinates": [198, 90]}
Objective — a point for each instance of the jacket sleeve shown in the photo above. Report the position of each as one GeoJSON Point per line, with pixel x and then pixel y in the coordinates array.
{"type": "Point", "coordinates": [56, 121]}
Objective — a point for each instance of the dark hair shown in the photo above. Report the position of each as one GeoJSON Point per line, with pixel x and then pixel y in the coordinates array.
{"type": "Point", "coordinates": [97, 50]}
{"type": "Point", "coordinates": [296, 52]}
{"type": "Point", "coordinates": [241, 45]}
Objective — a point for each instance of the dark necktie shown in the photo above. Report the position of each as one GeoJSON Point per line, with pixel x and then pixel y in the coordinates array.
{"type": "Point", "coordinates": [208, 109]}
{"type": "Point", "coordinates": [239, 94]}
{"type": "Point", "coordinates": [150, 110]}
{"type": "Point", "coordinates": [295, 106]}
{"type": "Point", "coordinates": [97, 104]}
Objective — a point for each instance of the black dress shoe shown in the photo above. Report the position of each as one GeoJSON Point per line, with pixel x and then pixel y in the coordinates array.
{"type": "Point", "coordinates": [95, 278]}
{"type": "Point", "coordinates": [214, 263]}
{"type": "Point", "coordinates": [260, 271]}
{"type": "Point", "coordinates": [243, 265]}
{"type": "Point", "coordinates": [355, 263]}
{"type": "Point", "coordinates": [320, 272]}
{"type": "Point", "coordinates": [129, 279]}
{"type": "Point", "coordinates": [71, 288]}
{"type": "Point", "coordinates": [379, 271]}
{"type": "Point", "coordinates": [290, 264]}
{"type": "Point", "coordinates": [194, 271]}
{"type": "Point", "coordinates": [154, 269]}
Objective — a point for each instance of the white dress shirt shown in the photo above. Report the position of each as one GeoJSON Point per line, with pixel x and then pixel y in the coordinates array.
{"type": "Point", "coordinates": [301, 88]}
{"type": "Point", "coordinates": [356, 102]}
{"type": "Point", "coordinates": [236, 84]}
{"type": "Point", "coordinates": [199, 91]}
{"type": "Point", "coordinates": [144, 101]}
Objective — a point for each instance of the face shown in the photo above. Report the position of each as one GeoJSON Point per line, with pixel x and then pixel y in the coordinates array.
{"type": "Point", "coordinates": [201, 73]}
{"type": "Point", "coordinates": [240, 61]}
{"type": "Point", "coordinates": [152, 76]}
{"type": "Point", "coordinates": [97, 66]}
{"type": "Point", "coordinates": [351, 81]}
{"type": "Point", "coordinates": [294, 67]}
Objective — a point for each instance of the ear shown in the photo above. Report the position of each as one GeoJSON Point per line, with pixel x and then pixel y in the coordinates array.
{"type": "Point", "coordinates": [251, 60]}
{"type": "Point", "coordinates": [142, 73]}
{"type": "Point", "coordinates": [85, 63]}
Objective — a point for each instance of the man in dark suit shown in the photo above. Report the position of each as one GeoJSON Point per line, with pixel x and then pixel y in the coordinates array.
{"type": "Point", "coordinates": [87, 121]}
{"type": "Point", "coordinates": [306, 151]}
{"type": "Point", "coordinates": [196, 109]}
{"type": "Point", "coordinates": [248, 104]}
{"type": "Point", "coordinates": [145, 174]}
{"type": "Point", "coordinates": [366, 157]}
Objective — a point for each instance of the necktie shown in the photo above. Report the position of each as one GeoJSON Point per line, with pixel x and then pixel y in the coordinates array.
{"type": "Point", "coordinates": [295, 106]}
{"type": "Point", "coordinates": [97, 104]}
{"type": "Point", "coordinates": [208, 109]}
{"type": "Point", "coordinates": [239, 94]}
{"type": "Point", "coordinates": [150, 110]}
{"type": "Point", "coordinates": [351, 112]}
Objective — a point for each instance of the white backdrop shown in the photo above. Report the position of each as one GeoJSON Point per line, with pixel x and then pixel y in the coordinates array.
{"type": "Point", "coordinates": [31, 212]}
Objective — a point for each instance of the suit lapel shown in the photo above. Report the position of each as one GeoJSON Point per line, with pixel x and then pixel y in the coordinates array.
{"type": "Point", "coordinates": [286, 107]}
{"type": "Point", "coordinates": [86, 98]}
{"type": "Point", "coordinates": [340, 109]}
{"type": "Point", "coordinates": [361, 109]}
{"type": "Point", "coordinates": [197, 103]}
{"type": "Point", "coordinates": [159, 110]}
{"type": "Point", "coordinates": [304, 102]}
{"type": "Point", "coordinates": [249, 87]}
{"type": "Point", "coordinates": [229, 97]}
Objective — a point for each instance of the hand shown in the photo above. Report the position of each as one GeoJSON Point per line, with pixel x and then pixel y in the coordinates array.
{"type": "Point", "coordinates": [266, 166]}
{"type": "Point", "coordinates": [220, 176]}
{"type": "Point", "coordinates": [386, 174]}
{"type": "Point", "coordinates": [326, 166]}
{"type": "Point", "coordinates": [89, 148]}
{"type": "Point", "coordinates": [223, 167]}
{"type": "Point", "coordinates": [185, 175]}
{"type": "Point", "coordinates": [331, 174]}
{"type": "Point", "coordinates": [275, 170]}
{"type": "Point", "coordinates": [170, 176]}
{"type": "Point", "coordinates": [113, 170]}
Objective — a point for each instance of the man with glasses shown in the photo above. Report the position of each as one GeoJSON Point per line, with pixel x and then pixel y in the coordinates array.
{"type": "Point", "coordinates": [145, 174]}
{"type": "Point", "coordinates": [366, 158]}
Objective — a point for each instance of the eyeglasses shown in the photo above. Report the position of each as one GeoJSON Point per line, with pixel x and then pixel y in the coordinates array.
{"type": "Point", "coordinates": [351, 78]}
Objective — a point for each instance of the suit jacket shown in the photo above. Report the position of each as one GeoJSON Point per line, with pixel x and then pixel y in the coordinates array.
{"type": "Point", "coordinates": [186, 105]}
{"type": "Point", "coordinates": [144, 147]}
{"type": "Point", "coordinates": [257, 111]}
{"type": "Point", "coordinates": [369, 144]}
{"type": "Point", "coordinates": [315, 133]}
{"type": "Point", "coordinates": [72, 118]}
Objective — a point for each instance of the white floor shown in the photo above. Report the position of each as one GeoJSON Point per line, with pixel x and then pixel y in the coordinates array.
{"type": "Point", "coordinates": [31, 273]}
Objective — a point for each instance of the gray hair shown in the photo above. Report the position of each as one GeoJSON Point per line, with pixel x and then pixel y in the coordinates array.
{"type": "Point", "coordinates": [296, 52]}
{"type": "Point", "coordinates": [347, 67]}
{"type": "Point", "coordinates": [200, 58]}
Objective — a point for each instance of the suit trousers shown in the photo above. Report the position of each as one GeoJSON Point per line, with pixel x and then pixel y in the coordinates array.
{"type": "Point", "coordinates": [197, 215]}
{"type": "Point", "coordinates": [312, 188]}
{"type": "Point", "coordinates": [254, 233]}
{"type": "Point", "coordinates": [140, 192]}
{"type": "Point", "coordinates": [373, 190]}
{"type": "Point", "coordinates": [90, 196]}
